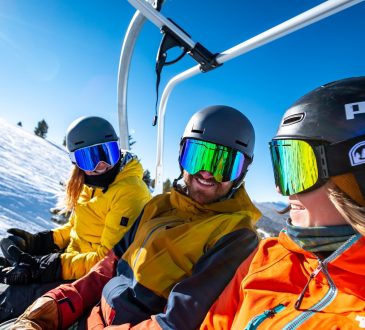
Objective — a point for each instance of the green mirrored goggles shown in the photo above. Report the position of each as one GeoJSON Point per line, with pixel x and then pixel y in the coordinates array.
{"type": "Point", "coordinates": [224, 163]}
{"type": "Point", "coordinates": [295, 166]}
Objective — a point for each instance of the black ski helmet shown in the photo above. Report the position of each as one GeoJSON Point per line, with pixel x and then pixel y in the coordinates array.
{"type": "Point", "coordinates": [334, 116]}
{"type": "Point", "coordinates": [225, 126]}
{"type": "Point", "coordinates": [87, 131]}
{"type": "Point", "coordinates": [332, 113]}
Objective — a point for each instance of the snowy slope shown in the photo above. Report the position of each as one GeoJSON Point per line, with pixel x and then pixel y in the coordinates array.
{"type": "Point", "coordinates": [31, 170]}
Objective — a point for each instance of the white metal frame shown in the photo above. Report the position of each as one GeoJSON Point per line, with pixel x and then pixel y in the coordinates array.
{"type": "Point", "coordinates": [300, 21]}
{"type": "Point", "coordinates": [131, 36]}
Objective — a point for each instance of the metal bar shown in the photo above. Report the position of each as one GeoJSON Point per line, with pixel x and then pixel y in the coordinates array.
{"type": "Point", "coordinates": [311, 16]}
{"type": "Point", "coordinates": [159, 20]}
{"type": "Point", "coordinates": [131, 36]}
{"type": "Point", "coordinates": [298, 22]}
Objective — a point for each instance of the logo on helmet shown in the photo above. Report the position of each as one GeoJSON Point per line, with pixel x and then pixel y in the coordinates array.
{"type": "Point", "coordinates": [357, 154]}
{"type": "Point", "coordinates": [353, 109]}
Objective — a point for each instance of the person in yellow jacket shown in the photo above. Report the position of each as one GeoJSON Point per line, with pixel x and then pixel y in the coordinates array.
{"type": "Point", "coordinates": [105, 193]}
{"type": "Point", "coordinates": [313, 275]}
{"type": "Point", "coordinates": [183, 249]}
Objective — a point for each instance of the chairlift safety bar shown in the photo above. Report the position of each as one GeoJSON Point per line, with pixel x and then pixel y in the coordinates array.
{"type": "Point", "coordinates": [300, 21]}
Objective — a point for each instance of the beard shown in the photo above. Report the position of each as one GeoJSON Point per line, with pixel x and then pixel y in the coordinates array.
{"type": "Point", "coordinates": [205, 190]}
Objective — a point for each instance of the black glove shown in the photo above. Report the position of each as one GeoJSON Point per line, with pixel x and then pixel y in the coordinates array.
{"type": "Point", "coordinates": [28, 269]}
{"type": "Point", "coordinates": [4, 262]}
{"type": "Point", "coordinates": [36, 244]}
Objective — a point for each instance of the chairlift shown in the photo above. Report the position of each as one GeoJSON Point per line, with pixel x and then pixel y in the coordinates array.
{"type": "Point", "coordinates": [206, 60]}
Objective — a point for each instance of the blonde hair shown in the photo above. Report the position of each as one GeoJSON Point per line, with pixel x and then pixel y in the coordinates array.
{"type": "Point", "coordinates": [74, 187]}
{"type": "Point", "coordinates": [352, 212]}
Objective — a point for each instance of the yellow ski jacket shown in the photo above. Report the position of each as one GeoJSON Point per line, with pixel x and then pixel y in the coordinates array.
{"type": "Point", "coordinates": [173, 264]}
{"type": "Point", "coordinates": [100, 220]}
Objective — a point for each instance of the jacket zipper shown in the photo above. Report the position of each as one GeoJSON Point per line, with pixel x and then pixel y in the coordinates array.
{"type": "Point", "coordinates": [331, 293]}
{"type": "Point", "coordinates": [257, 320]}
{"type": "Point", "coordinates": [150, 234]}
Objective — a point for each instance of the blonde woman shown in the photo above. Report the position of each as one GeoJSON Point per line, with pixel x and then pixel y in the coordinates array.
{"type": "Point", "coordinates": [105, 193]}
{"type": "Point", "coordinates": [313, 275]}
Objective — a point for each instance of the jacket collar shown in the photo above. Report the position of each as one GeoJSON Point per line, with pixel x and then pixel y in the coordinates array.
{"type": "Point", "coordinates": [349, 257]}
{"type": "Point", "coordinates": [185, 207]}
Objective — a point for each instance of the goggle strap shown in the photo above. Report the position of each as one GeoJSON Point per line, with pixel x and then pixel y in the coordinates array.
{"type": "Point", "coordinates": [339, 165]}
{"type": "Point", "coordinates": [322, 165]}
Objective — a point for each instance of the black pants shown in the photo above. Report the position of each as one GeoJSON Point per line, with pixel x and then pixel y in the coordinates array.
{"type": "Point", "coordinates": [14, 299]}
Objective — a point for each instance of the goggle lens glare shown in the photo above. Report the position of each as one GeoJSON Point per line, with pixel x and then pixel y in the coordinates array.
{"type": "Point", "coordinates": [225, 164]}
{"type": "Point", "coordinates": [295, 165]}
{"type": "Point", "coordinates": [88, 158]}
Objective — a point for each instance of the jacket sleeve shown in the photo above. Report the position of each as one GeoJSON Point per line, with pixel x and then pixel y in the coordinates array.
{"type": "Point", "coordinates": [75, 298]}
{"type": "Point", "coordinates": [61, 235]}
{"type": "Point", "coordinates": [198, 292]}
{"type": "Point", "coordinates": [221, 315]}
{"type": "Point", "coordinates": [125, 208]}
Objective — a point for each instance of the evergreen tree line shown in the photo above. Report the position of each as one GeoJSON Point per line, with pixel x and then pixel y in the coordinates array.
{"type": "Point", "coordinates": [40, 130]}
{"type": "Point", "coordinates": [151, 182]}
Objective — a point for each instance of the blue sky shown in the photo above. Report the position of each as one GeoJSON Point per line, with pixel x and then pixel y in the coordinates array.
{"type": "Point", "coordinates": [59, 60]}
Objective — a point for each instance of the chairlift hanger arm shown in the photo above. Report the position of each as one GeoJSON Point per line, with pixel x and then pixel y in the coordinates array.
{"type": "Point", "coordinates": [177, 35]}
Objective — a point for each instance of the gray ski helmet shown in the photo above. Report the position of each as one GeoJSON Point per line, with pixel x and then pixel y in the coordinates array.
{"type": "Point", "coordinates": [87, 131]}
{"type": "Point", "coordinates": [333, 112]}
{"type": "Point", "coordinates": [222, 125]}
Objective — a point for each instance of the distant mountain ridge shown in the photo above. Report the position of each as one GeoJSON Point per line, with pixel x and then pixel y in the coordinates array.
{"type": "Point", "coordinates": [272, 222]}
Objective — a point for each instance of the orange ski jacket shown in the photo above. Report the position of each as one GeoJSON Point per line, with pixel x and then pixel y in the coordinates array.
{"type": "Point", "coordinates": [267, 285]}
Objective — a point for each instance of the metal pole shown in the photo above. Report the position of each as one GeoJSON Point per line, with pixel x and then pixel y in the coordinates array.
{"type": "Point", "coordinates": [298, 22]}
{"type": "Point", "coordinates": [134, 28]}
{"type": "Point", "coordinates": [311, 16]}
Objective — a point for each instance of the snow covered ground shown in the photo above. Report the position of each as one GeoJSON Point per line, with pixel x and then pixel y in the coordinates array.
{"type": "Point", "coordinates": [31, 169]}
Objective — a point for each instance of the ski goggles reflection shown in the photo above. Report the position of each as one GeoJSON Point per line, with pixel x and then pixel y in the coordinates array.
{"type": "Point", "coordinates": [88, 158]}
{"type": "Point", "coordinates": [294, 164]}
{"type": "Point", "coordinates": [225, 164]}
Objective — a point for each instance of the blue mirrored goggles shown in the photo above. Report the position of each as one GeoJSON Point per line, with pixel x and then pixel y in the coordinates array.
{"type": "Point", "coordinates": [224, 163]}
{"type": "Point", "coordinates": [88, 158]}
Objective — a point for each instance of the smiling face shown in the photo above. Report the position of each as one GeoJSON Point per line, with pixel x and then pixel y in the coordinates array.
{"type": "Point", "coordinates": [314, 209]}
{"type": "Point", "coordinates": [203, 188]}
{"type": "Point", "coordinates": [101, 168]}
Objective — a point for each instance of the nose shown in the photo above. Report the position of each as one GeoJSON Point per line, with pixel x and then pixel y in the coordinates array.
{"type": "Point", "coordinates": [206, 175]}
{"type": "Point", "coordinates": [101, 166]}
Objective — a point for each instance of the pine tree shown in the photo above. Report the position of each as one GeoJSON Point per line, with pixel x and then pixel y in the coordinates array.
{"type": "Point", "coordinates": [64, 141]}
{"type": "Point", "coordinates": [147, 178]}
{"type": "Point", "coordinates": [166, 186]}
{"type": "Point", "coordinates": [41, 129]}
{"type": "Point", "coordinates": [131, 141]}
{"type": "Point", "coordinates": [20, 124]}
